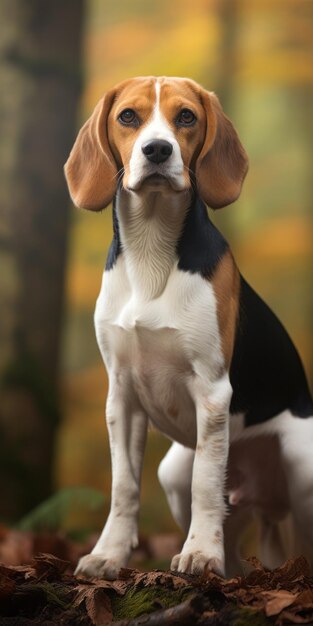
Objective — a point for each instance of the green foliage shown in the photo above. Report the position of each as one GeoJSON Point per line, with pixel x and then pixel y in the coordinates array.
{"type": "Point", "coordinates": [50, 514]}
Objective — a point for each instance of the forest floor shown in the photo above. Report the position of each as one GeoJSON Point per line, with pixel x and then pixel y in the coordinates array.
{"type": "Point", "coordinates": [45, 592]}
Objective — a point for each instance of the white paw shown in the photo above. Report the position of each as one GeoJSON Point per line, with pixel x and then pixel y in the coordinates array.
{"type": "Point", "coordinates": [197, 562]}
{"type": "Point", "coordinates": [97, 566]}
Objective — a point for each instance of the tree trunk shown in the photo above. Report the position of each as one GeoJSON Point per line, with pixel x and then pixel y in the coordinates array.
{"type": "Point", "coordinates": [40, 64]}
{"type": "Point", "coordinates": [228, 14]}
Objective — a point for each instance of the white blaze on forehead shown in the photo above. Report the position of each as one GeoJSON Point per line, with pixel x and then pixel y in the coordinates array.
{"type": "Point", "coordinates": [157, 127]}
{"type": "Point", "coordinates": [157, 93]}
{"type": "Point", "coordinates": [159, 122]}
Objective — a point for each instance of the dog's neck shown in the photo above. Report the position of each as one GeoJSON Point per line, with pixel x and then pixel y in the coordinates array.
{"type": "Point", "coordinates": [150, 225]}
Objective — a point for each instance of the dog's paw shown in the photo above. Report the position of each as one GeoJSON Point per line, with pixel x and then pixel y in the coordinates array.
{"type": "Point", "coordinates": [197, 562]}
{"type": "Point", "coordinates": [97, 566]}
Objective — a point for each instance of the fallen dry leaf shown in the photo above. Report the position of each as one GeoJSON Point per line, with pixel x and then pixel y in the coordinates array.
{"type": "Point", "coordinates": [48, 566]}
{"type": "Point", "coordinates": [7, 586]}
{"type": "Point", "coordinates": [305, 597]}
{"type": "Point", "coordinates": [146, 579]}
{"type": "Point", "coordinates": [293, 617]}
{"type": "Point", "coordinates": [99, 608]}
{"type": "Point", "coordinates": [276, 601]}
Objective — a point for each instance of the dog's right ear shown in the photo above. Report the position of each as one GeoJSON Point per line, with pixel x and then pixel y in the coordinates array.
{"type": "Point", "coordinates": [223, 163]}
{"type": "Point", "coordinates": [90, 170]}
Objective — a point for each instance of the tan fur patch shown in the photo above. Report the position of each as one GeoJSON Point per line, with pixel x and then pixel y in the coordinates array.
{"type": "Point", "coordinates": [226, 285]}
{"type": "Point", "coordinates": [138, 94]}
{"type": "Point", "coordinates": [175, 95]}
{"type": "Point", "coordinates": [217, 537]}
{"type": "Point", "coordinates": [173, 411]}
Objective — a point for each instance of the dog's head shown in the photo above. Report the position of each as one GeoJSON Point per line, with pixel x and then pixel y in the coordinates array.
{"type": "Point", "coordinates": [151, 132]}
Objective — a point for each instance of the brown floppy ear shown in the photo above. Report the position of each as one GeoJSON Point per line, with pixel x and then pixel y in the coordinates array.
{"type": "Point", "coordinates": [90, 170]}
{"type": "Point", "coordinates": [222, 163]}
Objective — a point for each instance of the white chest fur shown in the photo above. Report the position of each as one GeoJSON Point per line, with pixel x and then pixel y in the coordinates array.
{"type": "Point", "coordinates": [164, 343]}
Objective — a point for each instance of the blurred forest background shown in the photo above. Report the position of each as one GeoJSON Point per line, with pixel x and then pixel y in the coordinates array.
{"type": "Point", "coordinates": [57, 59]}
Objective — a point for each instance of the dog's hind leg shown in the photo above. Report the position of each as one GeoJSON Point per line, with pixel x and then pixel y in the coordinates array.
{"type": "Point", "coordinates": [175, 476]}
{"type": "Point", "coordinates": [272, 549]}
{"type": "Point", "coordinates": [297, 453]}
{"type": "Point", "coordinates": [235, 524]}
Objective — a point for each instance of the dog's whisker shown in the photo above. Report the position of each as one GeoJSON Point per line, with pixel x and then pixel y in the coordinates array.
{"type": "Point", "coordinates": [191, 177]}
{"type": "Point", "coordinates": [119, 173]}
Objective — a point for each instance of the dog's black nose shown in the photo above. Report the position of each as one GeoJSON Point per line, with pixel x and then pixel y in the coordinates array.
{"type": "Point", "coordinates": [157, 150]}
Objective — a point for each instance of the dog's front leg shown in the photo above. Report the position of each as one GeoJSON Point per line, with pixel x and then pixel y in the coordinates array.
{"type": "Point", "coordinates": [204, 546]}
{"type": "Point", "coordinates": [127, 426]}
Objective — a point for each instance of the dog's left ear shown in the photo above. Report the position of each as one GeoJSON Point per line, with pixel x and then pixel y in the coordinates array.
{"type": "Point", "coordinates": [222, 163]}
{"type": "Point", "coordinates": [91, 170]}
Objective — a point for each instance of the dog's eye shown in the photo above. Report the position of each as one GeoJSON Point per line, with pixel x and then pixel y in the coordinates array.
{"type": "Point", "coordinates": [186, 118]}
{"type": "Point", "coordinates": [128, 117]}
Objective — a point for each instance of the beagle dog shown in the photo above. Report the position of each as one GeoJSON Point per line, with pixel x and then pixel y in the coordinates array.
{"type": "Point", "coordinates": [187, 343]}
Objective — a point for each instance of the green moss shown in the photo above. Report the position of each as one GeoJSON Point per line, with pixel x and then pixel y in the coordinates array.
{"type": "Point", "coordinates": [53, 593]}
{"type": "Point", "coordinates": [249, 617]}
{"type": "Point", "coordinates": [148, 599]}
